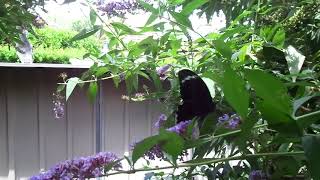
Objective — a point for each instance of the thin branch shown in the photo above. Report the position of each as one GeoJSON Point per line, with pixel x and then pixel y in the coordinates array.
{"type": "Point", "coordinates": [209, 161]}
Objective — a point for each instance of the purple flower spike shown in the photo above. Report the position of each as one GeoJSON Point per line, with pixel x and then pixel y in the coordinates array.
{"type": "Point", "coordinates": [231, 122]}
{"type": "Point", "coordinates": [257, 175]}
{"type": "Point", "coordinates": [234, 122]}
{"type": "Point", "coordinates": [223, 118]}
{"type": "Point", "coordinates": [162, 71]}
{"type": "Point", "coordinates": [180, 128]}
{"type": "Point", "coordinates": [58, 106]}
{"type": "Point", "coordinates": [82, 168]}
{"type": "Point", "coordinates": [161, 119]}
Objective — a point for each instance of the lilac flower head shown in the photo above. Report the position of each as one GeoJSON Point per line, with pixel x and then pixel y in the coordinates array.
{"type": "Point", "coordinates": [257, 175]}
{"type": "Point", "coordinates": [156, 151]}
{"type": "Point", "coordinates": [162, 71]}
{"type": "Point", "coordinates": [117, 8]}
{"type": "Point", "coordinates": [81, 168]}
{"type": "Point", "coordinates": [161, 119]}
{"type": "Point", "coordinates": [234, 122]}
{"type": "Point", "coordinates": [223, 118]}
{"type": "Point", "coordinates": [58, 106]}
{"type": "Point", "coordinates": [180, 128]}
{"type": "Point", "coordinates": [231, 122]}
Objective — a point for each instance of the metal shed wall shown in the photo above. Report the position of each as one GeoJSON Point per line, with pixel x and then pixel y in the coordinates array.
{"type": "Point", "coordinates": [31, 139]}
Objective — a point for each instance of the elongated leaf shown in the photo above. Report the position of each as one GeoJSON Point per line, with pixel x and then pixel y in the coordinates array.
{"type": "Point", "coordinates": [270, 89]}
{"type": "Point", "coordinates": [101, 71]}
{"type": "Point", "coordinates": [93, 17]}
{"type": "Point", "coordinates": [142, 147]}
{"type": "Point", "coordinates": [173, 143]}
{"type": "Point", "coordinates": [235, 92]}
{"type": "Point", "coordinates": [123, 27]}
{"type": "Point", "coordinates": [299, 102]}
{"type": "Point", "coordinates": [308, 119]}
{"type": "Point", "coordinates": [280, 121]}
{"type": "Point", "coordinates": [191, 6]}
{"type": "Point", "coordinates": [151, 18]}
{"type": "Point", "coordinates": [92, 91]}
{"type": "Point", "coordinates": [279, 38]}
{"type": "Point", "coordinates": [85, 33]}
{"type": "Point", "coordinates": [223, 48]}
{"type": "Point", "coordinates": [148, 7]}
{"type": "Point", "coordinates": [71, 84]}
{"type": "Point", "coordinates": [181, 19]}
{"type": "Point", "coordinates": [311, 146]}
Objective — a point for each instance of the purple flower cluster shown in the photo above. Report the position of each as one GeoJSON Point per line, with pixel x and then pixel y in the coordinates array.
{"type": "Point", "coordinates": [179, 128]}
{"type": "Point", "coordinates": [82, 168]}
{"type": "Point", "coordinates": [257, 175]}
{"type": "Point", "coordinates": [231, 122]}
{"type": "Point", "coordinates": [58, 106]}
{"type": "Point", "coordinates": [116, 8]}
{"type": "Point", "coordinates": [154, 152]}
{"type": "Point", "coordinates": [162, 71]}
{"type": "Point", "coordinates": [161, 119]}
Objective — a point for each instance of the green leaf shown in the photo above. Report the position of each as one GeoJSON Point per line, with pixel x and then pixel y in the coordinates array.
{"type": "Point", "coordinates": [210, 84]}
{"type": "Point", "coordinates": [172, 143]}
{"type": "Point", "coordinates": [151, 18]}
{"type": "Point", "coordinates": [101, 71]}
{"type": "Point", "coordinates": [311, 146]}
{"type": "Point", "coordinates": [71, 84]}
{"type": "Point", "coordinates": [142, 147]}
{"type": "Point", "coordinates": [92, 91]}
{"type": "Point", "coordinates": [156, 80]}
{"type": "Point", "coordinates": [223, 48]}
{"type": "Point", "coordinates": [280, 121]}
{"type": "Point", "coordinates": [175, 2]}
{"type": "Point", "coordinates": [299, 102]}
{"type": "Point", "coordinates": [308, 119]}
{"type": "Point", "coordinates": [124, 28]}
{"type": "Point", "coordinates": [191, 6]}
{"type": "Point", "coordinates": [270, 89]}
{"type": "Point", "coordinates": [295, 61]}
{"type": "Point", "coordinates": [279, 38]}
{"type": "Point", "coordinates": [85, 33]}
{"type": "Point", "coordinates": [235, 92]}
{"type": "Point", "coordinates": [93, 17]}
{"type": "Point", "coordinates": [148, 7]}
{"type": "Point", "coordinates": [61, 87]}
{"type": "Point", "coordinates": [244, 51]}
{"type": "Point", "coordinates": [181, 19]}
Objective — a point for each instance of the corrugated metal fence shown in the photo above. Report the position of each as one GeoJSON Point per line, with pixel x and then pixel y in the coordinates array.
{"type": "Point", "coordinates": [31, 139]}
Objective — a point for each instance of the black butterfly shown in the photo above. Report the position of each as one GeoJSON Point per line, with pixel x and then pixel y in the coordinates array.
{"type": "Point", "coordinates": [197, 101]}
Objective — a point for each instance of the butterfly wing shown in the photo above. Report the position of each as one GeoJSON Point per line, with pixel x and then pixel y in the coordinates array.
{"type": "Point", "coordinates": [197, 101]}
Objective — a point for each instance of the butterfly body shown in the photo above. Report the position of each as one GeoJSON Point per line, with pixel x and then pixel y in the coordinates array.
{"type": "Point", "coordinates": [195, 95]}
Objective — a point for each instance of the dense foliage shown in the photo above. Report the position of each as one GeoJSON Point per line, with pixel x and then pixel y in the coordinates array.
{"type": "Point", "coordinates": [16, 13]}
{"type": "Point", "coordinates": [54, 46]}
{"type": "Point", "coordinates": [262, 71]}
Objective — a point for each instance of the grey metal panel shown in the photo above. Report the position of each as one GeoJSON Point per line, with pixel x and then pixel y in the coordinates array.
{"type": "Point", "coordinates": [4, 154]}
{"type": "Point", "coordinates": [80, 115]}
{"type": "Point", "coordinates": [53, 132]}
{"type": "Point", "coordinates": [112, 112]}
{"type": "Point", "coordinates": [31, 139]}
{"type": "Point", "coordinates": [23, 126]}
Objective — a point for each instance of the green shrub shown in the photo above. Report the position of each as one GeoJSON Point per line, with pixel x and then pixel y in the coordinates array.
{"type": "Point", "coordinates": [57, 39]}
{"type": "Point", "coordinates": [54, 46]}
{"type": "Point", "coordinates": [43, 55]}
